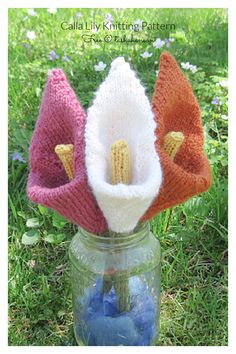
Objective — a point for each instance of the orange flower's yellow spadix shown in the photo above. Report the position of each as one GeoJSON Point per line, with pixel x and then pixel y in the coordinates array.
{"type": "Point", "coordinates": [120, 162]}
{"type": "Point", "coordinates": [65, 154]}
{"type": "Point", "coordinates": [172, 143]}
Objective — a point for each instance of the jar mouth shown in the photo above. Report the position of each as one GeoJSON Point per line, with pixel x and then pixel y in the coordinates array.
{"type": "Point", "coordinates": [117, 240]}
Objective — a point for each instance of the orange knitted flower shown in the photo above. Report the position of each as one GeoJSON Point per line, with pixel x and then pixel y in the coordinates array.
{"type": "Point", "coordinates": [176, 109]}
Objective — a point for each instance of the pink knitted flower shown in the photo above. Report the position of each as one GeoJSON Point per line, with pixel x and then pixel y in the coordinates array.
{"type": "Point", "coordinates": [62, 121]}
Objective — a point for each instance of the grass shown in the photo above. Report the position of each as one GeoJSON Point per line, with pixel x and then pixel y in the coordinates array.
{"type": "Point", "coordinates": [193, 236]}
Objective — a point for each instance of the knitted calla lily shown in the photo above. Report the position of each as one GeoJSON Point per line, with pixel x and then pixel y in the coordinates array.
{"type": "Point", "coordinates": [121, 110]}
{"type": "Point", "coordinates": [168, 164]}
{"type": "Point", "coordinates": [62, 121]}
{"type": "Point", "coordinates": [176, 109]}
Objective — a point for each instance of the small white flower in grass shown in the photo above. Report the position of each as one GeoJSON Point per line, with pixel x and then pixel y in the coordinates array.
{"type": "Point", "coordinates": [100, 66]}
{"type": "Point", "coordinates": [52, 10]}
{"type": "Point", "coordinates": [224, 117]}
{"type": "Point", "coordinates": [158, 43]}
{"type": "Point", "coordinates": [193, 68]}
{"type": "Point", "coordinates": [155, 62]}
{"type": "Point", "coordinates": [157, 72]}
{"type": "Point", "coordinates": [186, 65]}
{"type": "Point", "coordinates": [31, 35]}
{"type": "Point", "coordinates": [137, 25]}
{"type": "Point", "coordinates": [138, 22]}
{"type": "Point", "coordinates": [146, 55]}
{"type": "Point", "coordinates": [32, 13]}
{"type": "Point", "coordinates": [223, 83]}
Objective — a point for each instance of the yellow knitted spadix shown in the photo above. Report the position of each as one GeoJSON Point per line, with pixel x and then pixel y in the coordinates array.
{"type": "Point", "coordinates": [65, 154]}
{"type": "Point", "coordinates": [172, 143]}
{"type": "Point", "coordinates": [120, 162]}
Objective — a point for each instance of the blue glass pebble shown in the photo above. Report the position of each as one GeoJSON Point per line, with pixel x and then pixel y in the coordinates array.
{"type": "Point", "coordinates": [110, 303]}
{"type": "Point", "coordinates": [113, 331]}
{"type": "Point", "coordinates": [100, 323]}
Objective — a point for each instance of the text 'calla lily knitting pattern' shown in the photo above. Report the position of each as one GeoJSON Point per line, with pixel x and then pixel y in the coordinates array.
{"type": "Point", "coordinates": [120, 111]}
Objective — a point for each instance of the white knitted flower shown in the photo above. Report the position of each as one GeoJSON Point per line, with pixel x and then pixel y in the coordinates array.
{"type": "Point", "coordinates": [121, 110]}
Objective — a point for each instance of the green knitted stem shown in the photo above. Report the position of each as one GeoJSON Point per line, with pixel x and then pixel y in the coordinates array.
{"type": "Point", "coordinates": [120, 281]}
{"type": "Point", "coordinates": [106, 283]}
{"type": "Point", "coordinates": [107, 278]}
{"type": "Point", "coordinates": [121, 285]}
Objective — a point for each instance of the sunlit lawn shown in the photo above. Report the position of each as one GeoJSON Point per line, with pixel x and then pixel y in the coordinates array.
{"type": "Point", "coordinates": [193, 236]}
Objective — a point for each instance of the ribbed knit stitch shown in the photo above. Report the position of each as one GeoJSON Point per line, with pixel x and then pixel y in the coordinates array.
{"type": "Point", "coordinates": [62, 121]}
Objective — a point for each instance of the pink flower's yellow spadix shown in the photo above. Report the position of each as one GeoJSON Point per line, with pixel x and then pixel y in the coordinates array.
{"type": "Point", "coordinates": [65, 154]}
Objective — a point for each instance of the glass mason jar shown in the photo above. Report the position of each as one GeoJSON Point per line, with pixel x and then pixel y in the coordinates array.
{"type": "Point", "coordinates": [116, 287]}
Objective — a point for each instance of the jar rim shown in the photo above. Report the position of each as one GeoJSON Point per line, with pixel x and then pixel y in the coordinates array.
{"type": "Point", "coordinates": [116, 239]}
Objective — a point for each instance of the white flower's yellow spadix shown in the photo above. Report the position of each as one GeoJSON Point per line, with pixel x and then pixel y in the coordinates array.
{"type": "Point", "coordinates": [121, 111]}
{"type": "Point", "coordinates": [120, 162]}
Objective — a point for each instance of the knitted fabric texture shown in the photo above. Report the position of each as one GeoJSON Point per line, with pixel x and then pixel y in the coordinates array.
{"type": "Point", "coordinates": [121, 110]}
{"type": "Point", "coordinates": [172, 143]}
{"type": "Point", "coordinates": [62, 121]}
{"type": "Point", "coordinates": [176, 109]}
{"type": "Point", "coordinates": [120, 162]}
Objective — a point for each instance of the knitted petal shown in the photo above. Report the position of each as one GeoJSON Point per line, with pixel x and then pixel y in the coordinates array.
{"type": "Point", "coordinates": [176, 109]}
{"type": "Point", "coordinates": [121, 111]}
{"type": "Point", "coordinates": [62, 121]}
